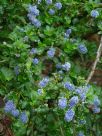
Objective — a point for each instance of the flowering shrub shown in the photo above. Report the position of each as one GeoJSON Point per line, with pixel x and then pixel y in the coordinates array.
{"type": "Point", "coordinates": [43, 68]}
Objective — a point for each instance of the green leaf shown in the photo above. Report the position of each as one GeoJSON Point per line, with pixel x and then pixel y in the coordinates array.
{"type": "Point", "coordinates": [28, 64]}
{"type": "Point", "coordinates": [49, 31]}
{"type": "Point", "coordinates": [7, 73]}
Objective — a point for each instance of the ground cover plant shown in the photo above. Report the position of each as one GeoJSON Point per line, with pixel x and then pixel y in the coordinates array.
{"type": "Point", "coordinates": [49, 51]}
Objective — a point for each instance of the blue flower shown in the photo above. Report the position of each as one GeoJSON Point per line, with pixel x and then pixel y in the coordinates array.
{"type": "Point", "coordinates": [62, 103]}
{"type": "Point", "coordinates": [69, 115]}
{"type": "Point", "coordinates": [43, 82]}
{"type": "Point", "coordinates": [30, 16]}
{"type": "Point", "coordinates": [51, 12]}
{"type": "Point", "coordinates": [69, 86]}
{"type": "Point", "coordinates": [82, 92]}
{"type": "Point", "coordinates": [48, 2]}
{"type": "Point", "coordinates": [94, 13]}
{"type": "Point", "coordinates": [33, 51]}
{"type": "Point", "coordinates": [36, 22]}
{"type": "Point", "coordinates": [40, 91]}
{"type": "Point", "coordinates": [78, 90]}
{"type": "Point", "coordinates": [58, 66]}
{"type": "Point", "coordinates": [35, 61]}
{"type": "Point", "coordinates": [16, 70]}
{"type": "Point", "coordinates": [82, 49]}
{"type": "Point", "coordinates": [24, 117]}
{"type": "Point", "coordinates": [69, 31]}
{"type": "Point", "coordinates": [9, 106]}
{"type": "Point", "coordinates": [15, 112]}
{"type": "Point", "coordinates": [96, 101]}
{"type": "Point", "coordinates": [73, 101]}
{"type": "Point", "coordinates": [33, 10]}
{"type": "Point", "coordinates": [96, 109]}
{"type": "Point", "coordinates": [80, 134]}
{"type": "Point", "coordinates": [66, 66]}
{"type": "Point", "coordinates": [83, 96]}
{"type": "Point", "coordinates": [51, 52]}
{"type": "Point", "coordinates": [58, 5]}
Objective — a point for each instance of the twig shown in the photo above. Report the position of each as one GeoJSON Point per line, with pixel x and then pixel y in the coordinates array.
{"type": "Point", "coordinates": [95, 63]}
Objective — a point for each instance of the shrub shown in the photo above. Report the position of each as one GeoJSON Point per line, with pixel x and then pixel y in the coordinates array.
{"type": "Point", "coordinates": [43, 67]}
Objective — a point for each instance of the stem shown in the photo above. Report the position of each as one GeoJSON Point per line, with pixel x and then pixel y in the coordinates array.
{"type": "Point", "coordinates": [95, 63]}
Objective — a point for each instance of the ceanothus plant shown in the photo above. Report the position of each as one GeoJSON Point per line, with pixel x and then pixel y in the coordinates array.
{"type": "Point", "coordinates": [44, 91]}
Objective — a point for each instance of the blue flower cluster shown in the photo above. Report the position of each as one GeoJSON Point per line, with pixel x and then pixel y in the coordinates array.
{"type": "Point", "coordinates": [32, 13]}
{"type": "Point", "coordinates": [62, 103]}
{"type": "Point", "coordinates": [33, 51]}
{"type": "Point", "coordinates": [66, 66]}
{"type": "Point", "coordinates": [73, 101]}
{"type": "Point", "coordinates": [58, 5]}
{"type": "Point", "coordinates": [11, 108]}
{"type": "Point", "coordinates": [15, 112]}
{"type": "Point", "coordinates": [51, 11]}
{"type": "Point", "coordinates": [33, 10]}
{"type": "Point", "coordinates": [48, 2]}
{"type": "Point", "coordinates": [82, 49]}
{"type": "Point", "coordinates": [69, 86]}
{"type": "Point", "coordinates": [51, 52]}
{"type": "Point", "coordinates": [43, 82]}
{"type": "Point", "coordinates": [78, 90]}
{"type": "Point", "coordinates": [24, 117]}
{"type": "Point", "coordinates": [83, 96]}
{"type": "Point", "coordinates": [96, 108]}
{"type": "Point", "coordinates": [81, 91]}
{"type": "Point", "coordinates": [94, 13]}
{"type": "Point", "coordinates": [69, 115]}
{"type": "Point", "coordinates": [35, 61]}
{"type": "Point", "coordinates": [67, 33]}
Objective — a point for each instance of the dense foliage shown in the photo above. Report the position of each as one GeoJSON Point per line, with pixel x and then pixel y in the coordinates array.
{"type": "Point", "coordinates": [45, 51]}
